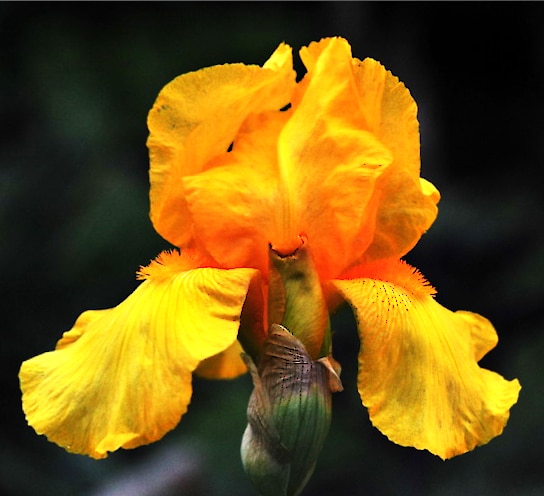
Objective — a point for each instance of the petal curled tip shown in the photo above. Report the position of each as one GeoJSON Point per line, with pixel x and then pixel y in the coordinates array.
{"type": "Point", "coordinates": [333, 367]}
{"type": "Point", "coordinates": [281, 59]}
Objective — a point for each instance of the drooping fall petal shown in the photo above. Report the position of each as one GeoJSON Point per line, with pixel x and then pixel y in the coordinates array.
{"type": "Point", "coordinates": [121, 377]}
{"type": "Point", "coordinates": [418, 371]}
{"type": "Point", "coordinates": [225, 365]}
{"type": "Point", "coordinates": [195, 118]}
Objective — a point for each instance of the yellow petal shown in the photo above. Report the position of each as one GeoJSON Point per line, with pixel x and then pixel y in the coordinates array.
{"type": "Point", "coordinates": [225, 365]}
{"type": "Point", "coordinates": [195, 118]}
{"type": "Point", "coordinates": [122, 377]}
{"type": "Point", "coordinates": [418, 371]}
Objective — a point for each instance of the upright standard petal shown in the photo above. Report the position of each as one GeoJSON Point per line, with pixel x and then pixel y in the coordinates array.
{"type": "Point", "coordinates": [407, 206]}
{"type": "Point", "coordinates": [195, 118]}
{"type": "Point", "coordinates": [329, 162]}
{"type": "Point", "coordinates": [418, 371]}
{"type": "Point", "coordinates": [235, 201]}
{"type": "Point", "coordinates": [122, 377]}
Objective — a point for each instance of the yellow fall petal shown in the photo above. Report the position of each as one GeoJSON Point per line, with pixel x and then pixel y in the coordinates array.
{"type": "Point", "coordinates": [122, 376]}
{"type": "Point", "coordinates": [195, 118]}
{"type": "Point", "coordinates": [418, 371]}
{"type": "Point", "coordinates": [225, 365]}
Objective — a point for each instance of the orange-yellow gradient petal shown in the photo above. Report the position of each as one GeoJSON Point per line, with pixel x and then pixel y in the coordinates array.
{"type": "Point", "coordinates": [236, 200]}
{"type": "Point", "coordinates": [339, 167]}
{"type": "Point", "coordinates": [329, 162]}
{"type": "Point", "coordinates": [418, 371]}
{"type": "Point", "coordinates": [121, 377]}
{"type": "Point", "coordinates": [407, 206]}
{"type": "Point", "coordinates": [195, 118]}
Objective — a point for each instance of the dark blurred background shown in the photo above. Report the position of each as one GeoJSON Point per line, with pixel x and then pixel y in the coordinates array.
{"type": "Point", "coordinates": [77, 81]}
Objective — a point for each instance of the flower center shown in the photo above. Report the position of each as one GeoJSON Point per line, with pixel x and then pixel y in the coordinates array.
{"type": "Point", "coordinates": [288, 248]}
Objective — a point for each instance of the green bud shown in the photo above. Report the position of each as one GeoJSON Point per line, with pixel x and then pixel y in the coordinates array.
{"type": "Point", "coordinates": [296, 300]}
{"type": "Point", "coordinates": [289, 414]}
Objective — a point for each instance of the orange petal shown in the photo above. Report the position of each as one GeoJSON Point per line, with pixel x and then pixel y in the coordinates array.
{"type": "Point", "coordinates": [407, 205]}
{"type": "Point", "coordinates": [122, 377]}
{"type": "Point", "coordinates": [195, 118]}
{"type": "Point", "coordinates": [234, 202]}
{"type": "Point", "coordinates": [329, 162]}
{"type": "Point", "coordinates": [418, 371]}
{"type": "Point", "coordinates": [251, 197]}
{"type": "Point", "coordinates": [406, 209]}
{"type": "Point", "coordinates": [389, 111]}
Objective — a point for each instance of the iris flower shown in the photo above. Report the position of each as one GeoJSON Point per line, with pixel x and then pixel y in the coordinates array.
{"type": "Point", "coordinates": [244, 160]}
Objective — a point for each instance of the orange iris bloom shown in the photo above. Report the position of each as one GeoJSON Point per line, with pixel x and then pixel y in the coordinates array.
{"type": "Point", "coordinates": [242, 158]}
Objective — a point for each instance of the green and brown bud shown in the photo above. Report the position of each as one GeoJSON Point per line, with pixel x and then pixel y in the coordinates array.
{"type": "Point", "coordinates": [289, 414]}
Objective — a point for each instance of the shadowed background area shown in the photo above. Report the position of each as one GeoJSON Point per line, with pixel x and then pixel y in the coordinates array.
{"type": "Point", "coordinates": [77, 81]}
